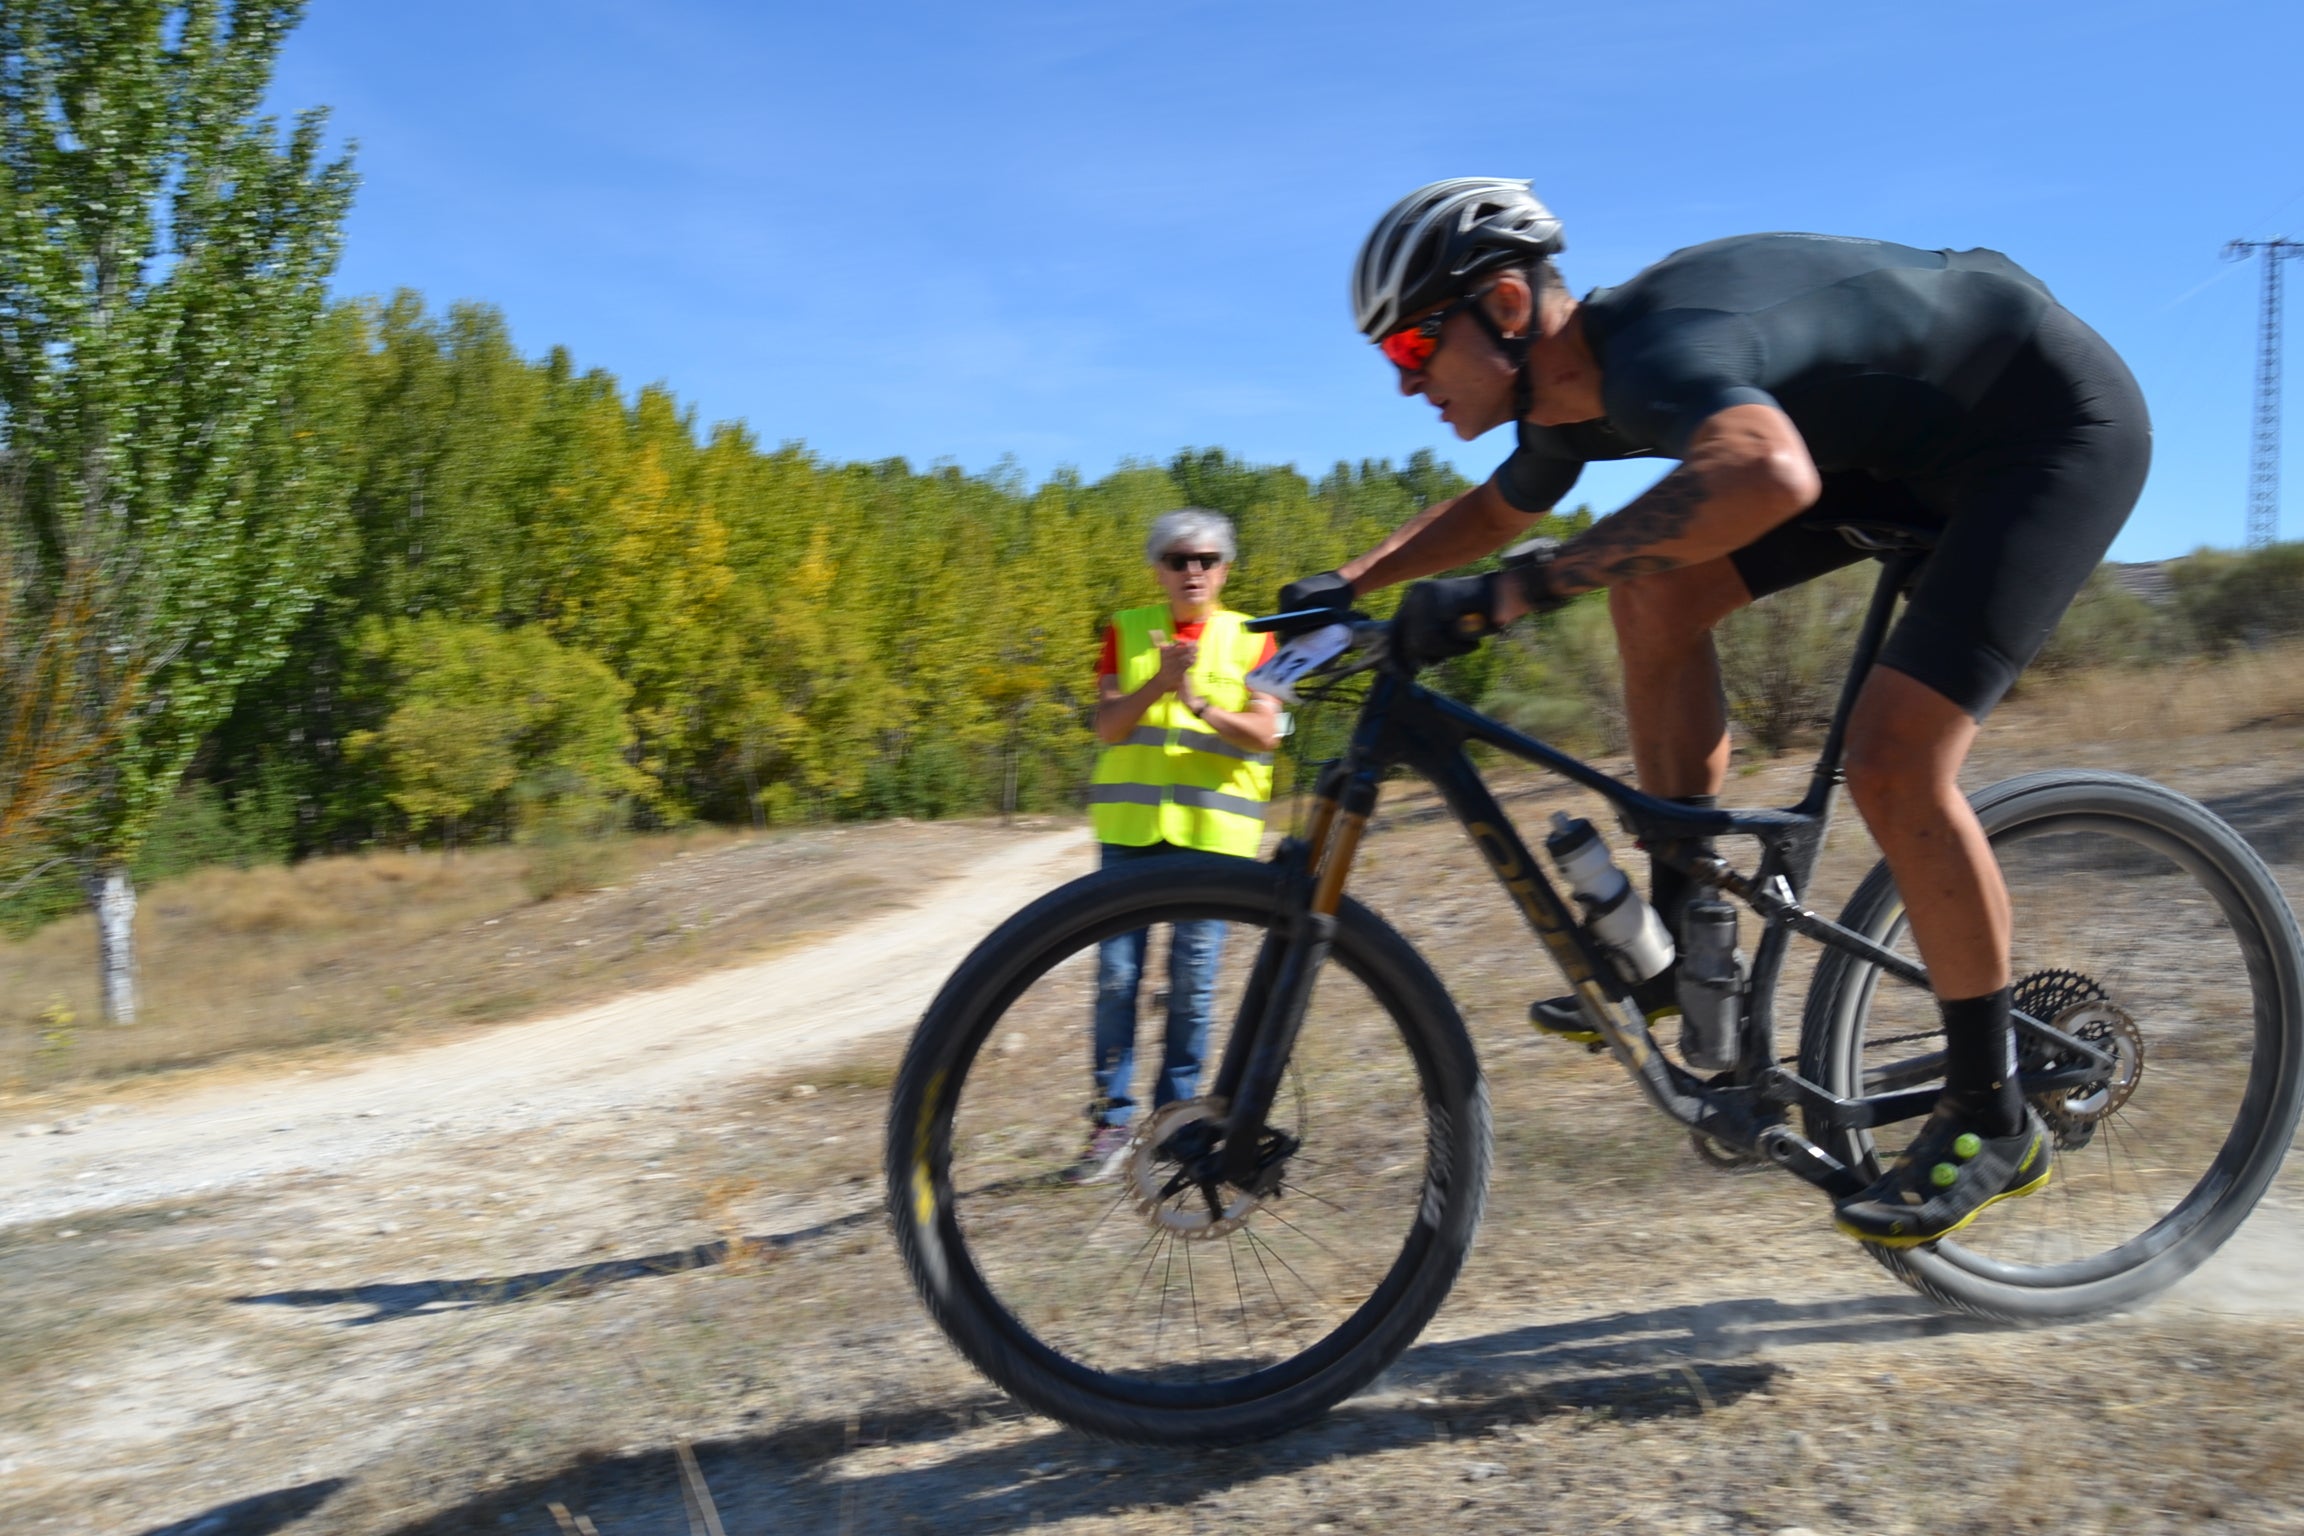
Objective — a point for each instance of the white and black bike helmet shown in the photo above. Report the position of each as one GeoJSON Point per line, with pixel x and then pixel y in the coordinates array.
{"type": "Point", "coordinates": [1438, 238]}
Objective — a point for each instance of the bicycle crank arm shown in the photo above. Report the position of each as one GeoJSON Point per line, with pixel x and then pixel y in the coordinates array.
{"type": "Point", "coordinates": [1796, 1154]}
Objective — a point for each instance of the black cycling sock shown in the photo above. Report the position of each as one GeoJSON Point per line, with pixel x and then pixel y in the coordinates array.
{"type": "Point", "coordinates": [1668, 887]}
{"type": "Point", "coordinates": [1980, 1061]}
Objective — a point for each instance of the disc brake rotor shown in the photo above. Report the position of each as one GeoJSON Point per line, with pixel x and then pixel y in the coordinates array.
{"type": "Point", "coordinates": [1165, 1193]}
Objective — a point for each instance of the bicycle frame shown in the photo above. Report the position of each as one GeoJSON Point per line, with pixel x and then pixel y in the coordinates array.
{"type": "Point", "coordinates": [1403, 724]}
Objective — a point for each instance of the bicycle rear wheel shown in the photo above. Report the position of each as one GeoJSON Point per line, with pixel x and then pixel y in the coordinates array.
{"type": "Point", "coordinates": [2146, 926]}
{"type": "Point", "coordinates": [1143, 1311]}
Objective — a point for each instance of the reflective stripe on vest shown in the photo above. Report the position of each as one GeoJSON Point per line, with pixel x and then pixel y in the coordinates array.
{"type": "Point", "coordinates": [1181, 794]}
{"type": "Point", "coordinates": [1172, 779]}
{"type": "Point", "coordinates": [1197, 741]}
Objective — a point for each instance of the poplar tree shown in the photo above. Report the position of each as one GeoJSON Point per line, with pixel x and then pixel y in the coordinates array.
{"type": "Point", "coordinates": [164, 248]}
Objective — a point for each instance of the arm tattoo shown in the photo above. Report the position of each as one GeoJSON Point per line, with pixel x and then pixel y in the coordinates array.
{"type": "Point", "coordinates": [1622, 545]}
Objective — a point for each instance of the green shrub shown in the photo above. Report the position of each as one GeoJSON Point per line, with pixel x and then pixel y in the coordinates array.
{"type": "Point", "coordinates": [1559, 679]}
{"type": "Point", "coordinates": [1783, 659]}
{"type": "Point", "coordinates": [494, 729]}
{"type": "Point", "coordinates": [2232, 599]}
{"type": "Point", "coordinates": [2108, 625]}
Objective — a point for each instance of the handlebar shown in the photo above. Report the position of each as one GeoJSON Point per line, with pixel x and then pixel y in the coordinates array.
{"type": "Point", "coordinates": [1306, 653]}
{"type": "Point", "coordinates": [1303, 621]}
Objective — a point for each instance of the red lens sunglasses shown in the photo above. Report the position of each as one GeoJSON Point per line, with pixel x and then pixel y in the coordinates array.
{"type": "Point", "coordinates": [1412, 346]}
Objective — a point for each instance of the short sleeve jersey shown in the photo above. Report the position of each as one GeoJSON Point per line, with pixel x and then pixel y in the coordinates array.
{"type": "Point", "coordinates": [1878, 353]}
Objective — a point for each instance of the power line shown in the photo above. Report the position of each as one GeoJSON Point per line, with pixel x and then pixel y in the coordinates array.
{"type": "Point", "coordinates": [2264, 450]}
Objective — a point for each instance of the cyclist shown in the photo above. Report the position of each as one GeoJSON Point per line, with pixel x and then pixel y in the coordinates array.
{"type": "Point", "coordinates": [1804, 382]}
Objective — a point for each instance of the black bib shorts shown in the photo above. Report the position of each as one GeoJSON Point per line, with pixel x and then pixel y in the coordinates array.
{"type": "Point", "coordinates": [2020, 518]}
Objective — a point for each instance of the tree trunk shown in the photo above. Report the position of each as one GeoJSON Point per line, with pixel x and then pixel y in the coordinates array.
{"type": "Point", "coordinates": [1008, 780]}
{"type": "Point", "coordinates": [113, 896]}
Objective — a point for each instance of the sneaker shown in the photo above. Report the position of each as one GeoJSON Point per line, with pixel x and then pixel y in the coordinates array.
{"type": "Point", "coordinates": [1102, 1158]}
{"type": "Point", "coordinates": [1944, 1180]}
{"type": "Point", "coordinates": [1658, 997]}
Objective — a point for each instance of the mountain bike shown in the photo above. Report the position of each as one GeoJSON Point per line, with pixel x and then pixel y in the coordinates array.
{"type": "Point", "coordinates": [1274, 1243]}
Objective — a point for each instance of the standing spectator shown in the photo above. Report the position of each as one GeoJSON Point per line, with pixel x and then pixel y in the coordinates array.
{"type": "Point", "coordinates": [1186, 767]}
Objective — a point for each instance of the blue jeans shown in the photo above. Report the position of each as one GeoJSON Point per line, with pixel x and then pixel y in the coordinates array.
{"type": "Point", "coordinates": [1193, 951]}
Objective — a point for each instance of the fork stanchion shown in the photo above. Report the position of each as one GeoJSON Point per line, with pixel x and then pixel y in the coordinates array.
{"type": "Point", "coordinates": [1336, 862]}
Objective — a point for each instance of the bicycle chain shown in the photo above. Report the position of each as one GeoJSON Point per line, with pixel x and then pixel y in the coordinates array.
{"type": "Point", "coordinates": [2073, 987]}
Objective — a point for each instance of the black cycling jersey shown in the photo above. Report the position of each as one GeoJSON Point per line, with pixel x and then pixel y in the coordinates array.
{"type": "Point", "coordinates": [1944, 390]}
{"type": "Point", "coordinates": [1879, 353]}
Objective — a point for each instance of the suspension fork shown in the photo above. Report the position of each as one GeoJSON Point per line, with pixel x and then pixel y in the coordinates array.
{"type": "Point", "coordinates": [1279, 989]}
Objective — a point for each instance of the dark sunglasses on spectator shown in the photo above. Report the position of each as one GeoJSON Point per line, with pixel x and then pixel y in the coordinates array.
{"type": "Point", "coordinates": [1411, 347]}
{"type": "Point", "coordinates": [1195, 562]}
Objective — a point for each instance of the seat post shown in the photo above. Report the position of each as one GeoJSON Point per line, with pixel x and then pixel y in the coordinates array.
{"type": "Point", "coordinates": [1896, 569]}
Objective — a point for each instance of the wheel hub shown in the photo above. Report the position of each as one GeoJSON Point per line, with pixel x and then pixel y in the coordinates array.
{"type": "Point", "coordinates": [2107, 1026]}
{"type": "Point", "coordinates": [1171, 1180]}
{"type": "Point", "coordinates": [2080, 1007]}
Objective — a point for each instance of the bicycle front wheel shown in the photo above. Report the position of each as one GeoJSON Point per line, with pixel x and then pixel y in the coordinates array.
{"type": "Point", "coordinates": [2145, 926]}
{"type": "Point", "coordinates": [1141, 1306]}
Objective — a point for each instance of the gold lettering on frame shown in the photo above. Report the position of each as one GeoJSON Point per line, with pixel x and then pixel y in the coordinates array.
{"type": "Point", "coordinates": [1503, 858]}
{"type": "Point", "coordinates": [1495, 848]}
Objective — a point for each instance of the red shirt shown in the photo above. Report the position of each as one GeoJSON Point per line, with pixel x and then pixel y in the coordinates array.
{"type": "Point", "coordinates": [1108, 664]}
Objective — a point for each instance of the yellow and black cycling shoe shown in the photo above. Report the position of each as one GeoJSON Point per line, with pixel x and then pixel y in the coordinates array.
{"type": "Point", "coordinates": [1658, 997]}
{"type": "Point", "coordinates": [1564, 1017]}
{"type": "Point", "coordinates": [1945, 1179]}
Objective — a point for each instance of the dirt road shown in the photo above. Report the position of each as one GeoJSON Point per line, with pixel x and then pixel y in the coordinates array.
{"type": "Point", "coordinates": [635, 1053]}
{"type": "Point", "coordinates": [601, 1264]}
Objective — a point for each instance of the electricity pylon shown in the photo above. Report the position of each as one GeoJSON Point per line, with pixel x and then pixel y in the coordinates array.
{"type": "Point", "coordinates": [2264, 454]}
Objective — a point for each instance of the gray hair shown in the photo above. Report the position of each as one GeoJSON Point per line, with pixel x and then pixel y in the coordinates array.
{"type": "Point", "coordinates": [1196, 526]}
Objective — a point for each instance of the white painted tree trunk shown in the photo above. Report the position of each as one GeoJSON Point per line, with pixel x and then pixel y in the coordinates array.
{"type": "Point", "coordinates": [113, 895]}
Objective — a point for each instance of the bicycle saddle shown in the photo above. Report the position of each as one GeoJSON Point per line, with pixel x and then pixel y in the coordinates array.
{"type": "Point", "coordinates": [1883, 538]}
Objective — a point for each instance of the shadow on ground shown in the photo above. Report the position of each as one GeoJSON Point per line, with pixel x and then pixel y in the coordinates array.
{"type": "Point", "coordinates": [388, 1300]}
{"type": "Point", "coordinates": [259, 1516]}
{"type": "Point", "coordinates": [910, 1469]}
{"type": "Point", "coordinates": [2271, 818]}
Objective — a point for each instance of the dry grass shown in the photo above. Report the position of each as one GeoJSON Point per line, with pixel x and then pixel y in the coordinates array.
{"type": "Point", "coordinates": [2195, 697]}
{"type": "Point", "coordinates": [363, 948]}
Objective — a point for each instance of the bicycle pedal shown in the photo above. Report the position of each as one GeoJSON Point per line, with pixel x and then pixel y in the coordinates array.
{"type": "Point", "coordinates": [1560, 1018]}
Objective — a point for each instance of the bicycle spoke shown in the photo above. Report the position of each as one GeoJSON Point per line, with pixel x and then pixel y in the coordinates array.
{"type": "Point", "coordinates": [1247, 1338]}
{"type": "Point", "coordinates": [1192, 1292]}
{"type": "Point", "coordinates": [2121, 940]}
{"type": "Point", "coordinates": [1106, 1280]}
{"type": "Point", "coordinates": [1297, 1189]}
{"type": "Point", "coordinates": [1282, 1260]}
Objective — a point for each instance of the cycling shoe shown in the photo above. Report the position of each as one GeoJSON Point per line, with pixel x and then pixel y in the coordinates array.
{"type": "Point", "coordinates": [1945, 1179]}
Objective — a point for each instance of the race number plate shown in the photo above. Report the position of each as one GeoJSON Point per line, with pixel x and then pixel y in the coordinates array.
{"type": "Point", "coordinates": [1303, 655]}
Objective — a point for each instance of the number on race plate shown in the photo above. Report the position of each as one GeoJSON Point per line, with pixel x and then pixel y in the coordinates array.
{"type": "Point", "coordinates": [1299, 657]}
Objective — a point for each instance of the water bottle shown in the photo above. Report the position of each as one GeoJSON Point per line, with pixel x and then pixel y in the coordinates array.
{"type": "Point", "coordinates": [1710, 981]}
{"type": "Point", "coordinates": [1625, 925]}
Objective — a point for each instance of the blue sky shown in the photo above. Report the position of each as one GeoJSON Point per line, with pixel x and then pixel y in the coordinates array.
{"type": "Point", "coordinates": [1080, 233]}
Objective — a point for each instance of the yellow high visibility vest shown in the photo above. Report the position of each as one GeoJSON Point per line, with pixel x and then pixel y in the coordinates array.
{"type": "Point", "coordinates": [1174, 780]}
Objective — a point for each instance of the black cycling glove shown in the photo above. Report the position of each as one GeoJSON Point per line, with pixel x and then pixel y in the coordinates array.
{"type": "Point", "coordinates": [1440, 619]}
{"type": "Point", "coordinates": [1326, 590]}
